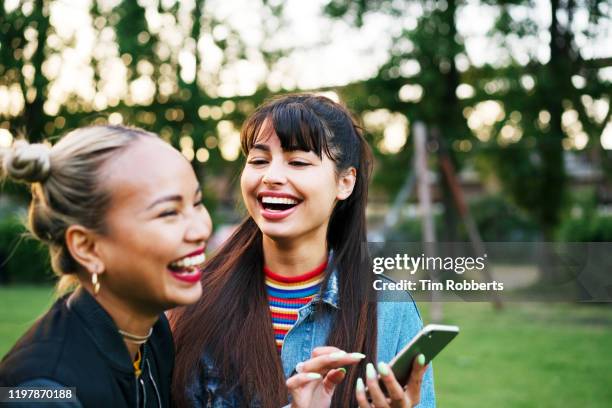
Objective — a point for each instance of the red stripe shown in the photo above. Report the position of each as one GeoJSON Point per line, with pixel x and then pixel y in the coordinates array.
{"type": "Point", "coordinates": [280, 315]}
{"type": "Point", "coordinates": [300, 278]}
{"type": "Point", "coordinates": [280, 331]}
{"type": "Point", "coordinates": [299, 301]}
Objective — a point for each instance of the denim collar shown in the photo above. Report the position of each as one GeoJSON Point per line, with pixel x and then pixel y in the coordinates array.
{"type": "Point", "coordinates": [330, 294]}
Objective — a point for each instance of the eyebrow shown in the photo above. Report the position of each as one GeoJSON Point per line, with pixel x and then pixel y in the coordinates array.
{"type": "Point", "coordinates": [266, 148]}
{"type": "Point", "coordinates": [174, 197]}
{"type": "Point", "coordinates": [260, 146]}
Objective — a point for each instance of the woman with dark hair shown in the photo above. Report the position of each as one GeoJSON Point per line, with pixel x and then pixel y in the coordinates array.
{"type": "Point", "coordinates": [296, 274]}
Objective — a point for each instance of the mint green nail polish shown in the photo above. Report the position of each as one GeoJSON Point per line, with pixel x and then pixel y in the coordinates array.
{"type": "Point", "coordinates": [383, 368]}
{"type": "Point", "coordinates": [342, 369]}
{"type": "Point", "coordinates": [314, 376]}
{"type": "Point", "coordinates": [357, 356]}
{"type": "Point", "coordinates": [370, 371]}
{"type": "Point", "coordinates": [360, 386]}
{"type": "Point", "coordinates": [421, 359]}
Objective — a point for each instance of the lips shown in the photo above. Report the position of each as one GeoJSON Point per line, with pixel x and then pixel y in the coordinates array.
{"type": "Point", "coordinates": [188, 268]}
{"type": "Point", "coordinates": [276, 205]}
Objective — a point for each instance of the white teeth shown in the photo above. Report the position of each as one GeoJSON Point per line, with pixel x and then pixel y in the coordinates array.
{"type": "Point", "coordinates": [189, 261]}
{"type": "Point", "coordinates": [278, 200]}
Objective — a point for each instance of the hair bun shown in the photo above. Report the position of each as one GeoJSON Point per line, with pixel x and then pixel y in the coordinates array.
{"type": "Point", "coordinates": [27, 162]}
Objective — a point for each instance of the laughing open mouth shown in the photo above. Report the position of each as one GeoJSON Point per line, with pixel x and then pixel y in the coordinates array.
{"type": "Point", "coordinates": [189, 268]}
{"type": "Point", "coordinates": [188, 264]}
{"type": "Point", "coordinates": [278, 203]}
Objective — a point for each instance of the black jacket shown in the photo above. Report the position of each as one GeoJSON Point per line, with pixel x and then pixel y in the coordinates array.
{"type": "Point", "coordinates": [76, 344]}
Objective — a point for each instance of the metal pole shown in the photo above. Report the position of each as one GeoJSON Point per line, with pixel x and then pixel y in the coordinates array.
{"type": "Point", "coordinates": [425, 206]}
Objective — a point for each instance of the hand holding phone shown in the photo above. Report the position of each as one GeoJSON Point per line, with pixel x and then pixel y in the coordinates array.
{"type": "Point", "coordinates": [429, 342]}
{"type": "Point", "coordinates": [401, 379]}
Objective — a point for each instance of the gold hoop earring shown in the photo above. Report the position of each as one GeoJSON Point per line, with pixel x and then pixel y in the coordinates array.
{"type": "Point", "coordinates": [95, 283]}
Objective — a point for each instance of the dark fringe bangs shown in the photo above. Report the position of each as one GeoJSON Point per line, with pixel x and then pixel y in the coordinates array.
{"type": "Point", "coordinates": [295, 124]}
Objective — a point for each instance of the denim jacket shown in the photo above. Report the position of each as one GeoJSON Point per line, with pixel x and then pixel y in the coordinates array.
{"type": "Point", "coordinates": [398, 322]}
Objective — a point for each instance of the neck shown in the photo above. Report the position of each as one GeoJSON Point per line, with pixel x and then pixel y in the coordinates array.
{"type": "Point", "coordinates": [294, 257]}
{"type": "Point", "coordinates": [127, 317]}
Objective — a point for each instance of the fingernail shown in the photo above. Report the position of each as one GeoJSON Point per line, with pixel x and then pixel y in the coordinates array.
{"type": "Point", "coordinates": [299, 367]}
{"type": "Point", "coordinates": [342, 369]}
{"type": "Point", "coordinates": [370, 371]}
{"type": "Point", "coordinates": [360, 386]}
{"type": "Point", "coordinates": [383, 368]}
{"type": "Point", "coordinates": [357, 356]}
{"type": "Point", "coordinates": [421, 359]}
{"type": "Point", "coordinates": [314, 376]}
{"type": "Point", "coordinates": [337, 355]}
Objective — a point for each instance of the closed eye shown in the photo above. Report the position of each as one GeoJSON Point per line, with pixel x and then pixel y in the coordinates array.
{"type": "Point", "coordinates": [299, 163]}
{"type": "Point", "coordinates": [258, 161]}
{"type": "Point", "coordinates": [168, 213]}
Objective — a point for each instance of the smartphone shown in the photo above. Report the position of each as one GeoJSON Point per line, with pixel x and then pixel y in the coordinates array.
{"type": "Point", "coordinates": [429, 341]}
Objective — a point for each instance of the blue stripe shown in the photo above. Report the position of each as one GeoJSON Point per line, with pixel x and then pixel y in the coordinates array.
{"type": "Point", "coordinates": [285, 321]}
{"type": "Point", "coordinates": [284, 305]}
{"type": "Point", "coordinates": [288, 294]}
{"type": "Point", "coordinates": [279, 336]}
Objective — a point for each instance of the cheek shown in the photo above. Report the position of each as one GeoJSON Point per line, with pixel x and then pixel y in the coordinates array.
{"type": "Point", "coordinates": [322, 191]}
{"type": "Point", "coordinates": [327, 186]}
{"type": "Point", "coordinates": [148, 241]}
{"type": "Point", "coordinates": [248, 184]}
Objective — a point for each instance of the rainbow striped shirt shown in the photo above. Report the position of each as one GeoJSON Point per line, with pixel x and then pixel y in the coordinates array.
{"type": "Point", "coordinates": [286, 295]}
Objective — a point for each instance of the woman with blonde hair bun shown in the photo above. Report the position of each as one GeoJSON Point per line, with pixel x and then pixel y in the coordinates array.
{"type": "Point", "coordinates": [121, 212]}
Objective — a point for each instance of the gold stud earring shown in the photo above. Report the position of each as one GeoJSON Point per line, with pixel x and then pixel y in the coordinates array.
{"type": "Point", "coordinates": [95, 283]}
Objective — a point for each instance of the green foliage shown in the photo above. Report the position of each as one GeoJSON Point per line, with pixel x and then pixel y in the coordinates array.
{"type": "Point", "coordinates": [22, 259]}
{"type": "Point", "coordinates": [530, 168]}
{"type": "Point", "coordinates": [500, 221]}
{"type": "Point", "coordinates": [596, 228]}
{"type": "Point", "coordinates": [496, 218]}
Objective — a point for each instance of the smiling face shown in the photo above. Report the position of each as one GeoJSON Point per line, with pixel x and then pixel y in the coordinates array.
{"type": "Point", "coordinates": [156, 228]}
{"type": "Point", "coordinates": [290, 193]}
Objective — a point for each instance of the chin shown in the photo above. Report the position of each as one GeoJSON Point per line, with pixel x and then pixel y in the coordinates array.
{"type": "Point", "coordinates": [277, 233]}
{"type": "Point", "coordinates": [186, 296]}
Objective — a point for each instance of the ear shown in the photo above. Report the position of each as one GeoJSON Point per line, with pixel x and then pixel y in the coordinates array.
{"type": "Point", "coordinates": [346, 183]}
{"type": "Point", "coordinates": [83, 246]}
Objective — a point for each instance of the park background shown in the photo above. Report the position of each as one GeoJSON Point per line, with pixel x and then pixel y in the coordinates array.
{"type": "Point", "coordinates": [514, 98]}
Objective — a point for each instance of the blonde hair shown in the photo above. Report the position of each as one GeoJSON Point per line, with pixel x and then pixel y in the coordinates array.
{"type": "Point", "coordinates": [66, 186]}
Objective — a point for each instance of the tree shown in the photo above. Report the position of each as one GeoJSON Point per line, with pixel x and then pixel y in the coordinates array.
{"type": "Point", "coordinates": [540, 109]}
{"type": "Point", "coordinates": [419, 80]}
{"type": "Point", "coordinates": [147, 69]}
{"type": "Point", "coordinates": [548, 108]}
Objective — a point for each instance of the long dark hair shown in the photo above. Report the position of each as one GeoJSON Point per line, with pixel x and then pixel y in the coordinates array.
{"type": "Point", "coordinates": [231, 321]}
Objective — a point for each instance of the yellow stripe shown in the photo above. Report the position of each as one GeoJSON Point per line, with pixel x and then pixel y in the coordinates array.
{"type": "Point", "coordinates": [283, 310]}
{"type": "Point", "coordinates": [283, 326]}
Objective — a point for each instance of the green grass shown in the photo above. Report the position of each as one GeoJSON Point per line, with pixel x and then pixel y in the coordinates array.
{"type": "Point", "coordinates": [19, 309]}
{"type": "Point", "coordinates": [527, 355]}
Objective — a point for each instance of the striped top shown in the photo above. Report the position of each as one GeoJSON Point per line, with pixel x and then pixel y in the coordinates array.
{"type": "Point", "coordinates": [286, 295]}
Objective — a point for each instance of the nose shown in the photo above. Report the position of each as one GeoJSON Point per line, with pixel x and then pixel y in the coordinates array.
{"type": "Point", "coordinates": [200, 227]}
{"type": "Point", "coordinates": [275, 174]}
